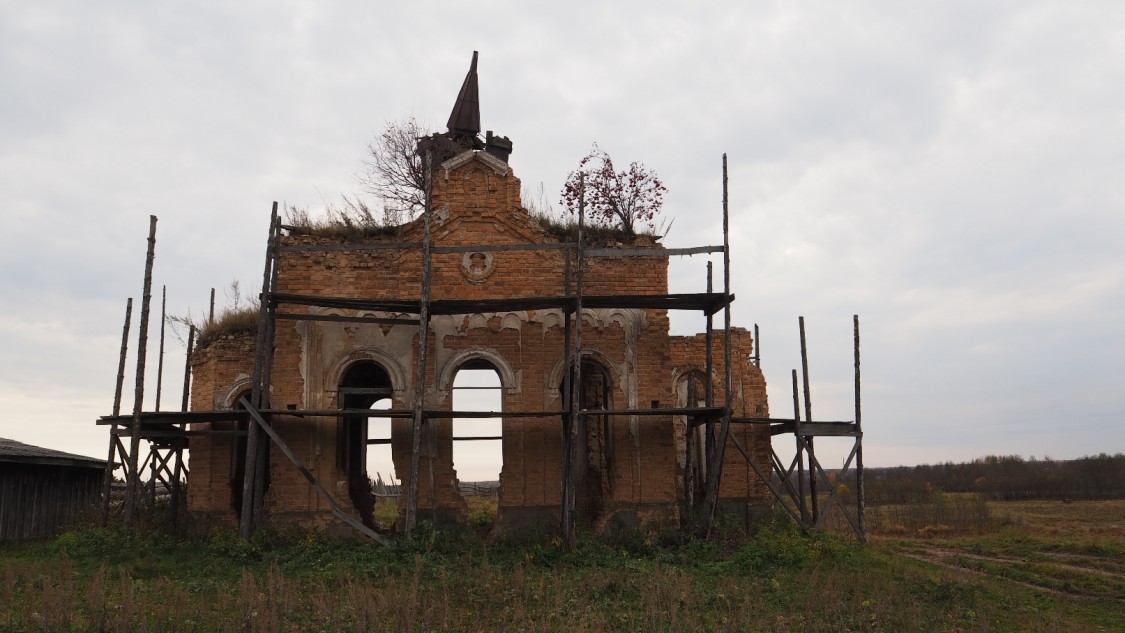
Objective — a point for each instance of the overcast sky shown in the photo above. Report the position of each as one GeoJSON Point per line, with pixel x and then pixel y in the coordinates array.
{"type": "Point", "coordinates": [950, 171]}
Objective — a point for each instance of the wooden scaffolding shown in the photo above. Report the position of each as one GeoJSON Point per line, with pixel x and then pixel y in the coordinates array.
{"type": "Point", "coordinates": [168, 432]}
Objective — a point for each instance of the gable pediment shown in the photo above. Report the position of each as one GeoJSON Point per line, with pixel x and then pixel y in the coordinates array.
{"type": "Point", "coordinates": [510, 227]}
{"type": "Point", "coordinates": [476, 201]}
{"type": "Point", "coordinates": [464, 158]}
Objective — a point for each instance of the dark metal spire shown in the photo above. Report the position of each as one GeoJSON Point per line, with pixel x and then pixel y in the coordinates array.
{"type": "Point", "coordinates": [465, 118]}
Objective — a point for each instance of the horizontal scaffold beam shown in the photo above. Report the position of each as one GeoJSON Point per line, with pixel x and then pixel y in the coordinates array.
{"type": "Point", "coordinates": [157, 423]}
{"type": "Point", "coordinates": [156, 434]}
{"type": "Point", "coordinates": [180, 417]}
{"type": "Point", "coordinates": [782, 426]}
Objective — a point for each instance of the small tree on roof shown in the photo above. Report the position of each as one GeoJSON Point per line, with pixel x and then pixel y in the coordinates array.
{"type": "Point", "coordinates": [615, 198]}
{"type": "Point", "coordinates": [394, 170]}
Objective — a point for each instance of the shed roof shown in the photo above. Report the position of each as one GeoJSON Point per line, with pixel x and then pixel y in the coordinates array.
{"type": "Point", "coordinates": [18, 452]}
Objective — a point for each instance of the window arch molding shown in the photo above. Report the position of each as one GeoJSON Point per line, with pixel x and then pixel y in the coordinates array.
{"type": "Point", "coordinates": [555, 378]}
{"type": "Point", "coordinates": [389, 364]}
{"type": "Point", "coordinates": [681, 377]}
{"type": "Point", "coordinates": [509, 380]}
{"type": "Point", "coordinates": [241, 385]}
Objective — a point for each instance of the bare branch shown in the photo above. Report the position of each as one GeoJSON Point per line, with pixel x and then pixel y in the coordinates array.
{"type": "Point", "coordinates": [394, 170]}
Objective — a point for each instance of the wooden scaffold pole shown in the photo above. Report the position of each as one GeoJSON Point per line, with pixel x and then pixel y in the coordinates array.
{"type": "Point", "coordinates": [813, 488]}
{"type": "Point", "coordinates": [177, 487]}
{"type": "Point", "coordinates": [160, 466]}
{"type": "Point", "coordinates": [160, 356]}
{"type": "Point", "coordinates": [187, 367]}
{"type": "Point", "coordinates": [728, 374]}
{"type": "Point", "coordinates": [709, 340]}
{"type": "Point", "coordinates": [570, 436]}
{"type": "Point", "coordinates": [692, 400]}
{"type": "Point", "coordinates": [121, 360]}
{"type": "Point", "coordinates": [800, 454]}
{"type": "Point", "coordinates": [567, 390]}
{"type": "Point", "coordinates": [253, 433]}
{"type": "Point", "coordinates": [861, 501]}
{"type": "Point", "coordinates": [107, 485]}
{"type": "Point", "coordinates": [261, 462]}
{"type": "Point", "coordinates": [133, 475]}
{"type": "Point", "coordinates": [716, 465]}
{"type": "Point", "coordinates": [411, 518]}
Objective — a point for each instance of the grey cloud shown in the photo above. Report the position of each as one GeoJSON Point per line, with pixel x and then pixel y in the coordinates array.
{"type": "Point", "coordinates": [947, 170]}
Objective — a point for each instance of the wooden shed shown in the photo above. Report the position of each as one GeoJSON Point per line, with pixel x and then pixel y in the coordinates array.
{"type": "Point", "coordinates": [44, 490]}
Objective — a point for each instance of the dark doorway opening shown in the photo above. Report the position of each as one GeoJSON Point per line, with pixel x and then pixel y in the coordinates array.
{"type": "Point", "coordinates": [238, 458]}
{"type": "Point", "coordinates": [363, 384]}
{"type": "Point", "coordinates": [594, 451]}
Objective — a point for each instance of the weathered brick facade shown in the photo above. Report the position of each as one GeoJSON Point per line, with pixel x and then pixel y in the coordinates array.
{"type": "Point", "coordinates": [632, 466]}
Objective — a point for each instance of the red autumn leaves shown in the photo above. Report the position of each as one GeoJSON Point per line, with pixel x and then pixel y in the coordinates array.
{"type": "Point", "coordinates": [614, 198]}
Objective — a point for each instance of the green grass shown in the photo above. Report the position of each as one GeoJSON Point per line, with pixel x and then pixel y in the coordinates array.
{"type": "Point", "coordinates": [1067, 554]}
{"type": "Point", "coordinates": [649, 580]}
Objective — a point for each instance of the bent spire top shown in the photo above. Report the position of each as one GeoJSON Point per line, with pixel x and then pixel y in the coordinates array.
{"type": "Point", "coordinates": [465, 118]}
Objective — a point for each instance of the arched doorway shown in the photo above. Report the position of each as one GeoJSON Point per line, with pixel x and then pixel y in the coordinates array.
{"type": "Point", "coordinates": [594, 451]}
{"type": "Point", "coordinates": [362, 385]}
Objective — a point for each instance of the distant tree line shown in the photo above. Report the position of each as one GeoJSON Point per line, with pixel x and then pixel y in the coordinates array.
{"type": "Point", "coordinates": [1008, 477]}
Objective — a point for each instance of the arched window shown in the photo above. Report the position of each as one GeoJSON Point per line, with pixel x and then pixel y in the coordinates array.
{"type": "Point", "coordinates": [362, 385]}
{"type": "Point", "coordinates": [477, 446]}
{"type": "Point", "coordinates": [691, 391]}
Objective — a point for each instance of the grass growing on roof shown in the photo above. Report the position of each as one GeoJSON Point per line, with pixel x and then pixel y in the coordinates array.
{"type": "Point", "coordinates": [351, 220]}
{"type": "Point", "coordinates": [239, 317]}
{"type": "Point", "coordinates": [564, 228]}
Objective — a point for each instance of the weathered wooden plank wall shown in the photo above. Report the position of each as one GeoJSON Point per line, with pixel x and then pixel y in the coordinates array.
{"type": "Point", "coordinates": [36, 501]}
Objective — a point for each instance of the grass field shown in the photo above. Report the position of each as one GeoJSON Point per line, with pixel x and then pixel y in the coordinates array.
{"type": "Point", "coordinates": [1073, 550]}
{"type": "Point", "coordinates": [1029, 566]}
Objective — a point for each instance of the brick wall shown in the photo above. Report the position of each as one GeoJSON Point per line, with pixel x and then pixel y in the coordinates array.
{"type": "Point", "coordinates": [475, 202]}
{"type": "Point", "coordinates": [221, 370]}
{"type": "Point", "coordinates": [689, 354]}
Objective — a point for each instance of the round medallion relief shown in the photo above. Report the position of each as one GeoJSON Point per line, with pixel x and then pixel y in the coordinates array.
{"type": "Point", "coordinates": [477, 266]}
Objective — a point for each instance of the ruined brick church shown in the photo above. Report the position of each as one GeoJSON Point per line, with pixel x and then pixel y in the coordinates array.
{"type": "Point", "coordinates": [605, 417]}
